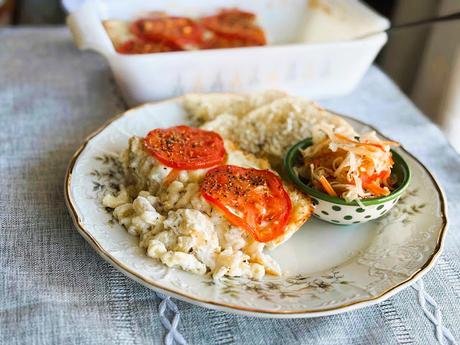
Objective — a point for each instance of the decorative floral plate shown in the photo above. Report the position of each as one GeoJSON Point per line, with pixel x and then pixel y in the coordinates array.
{"type": "Point", "coordinates": [327, 269]}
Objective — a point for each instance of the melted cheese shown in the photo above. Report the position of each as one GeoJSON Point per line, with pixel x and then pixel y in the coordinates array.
{"type": "Point", "coordinates": [177, 226]}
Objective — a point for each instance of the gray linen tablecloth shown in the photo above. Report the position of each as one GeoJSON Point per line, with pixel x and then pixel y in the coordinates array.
{"type": "Point", "coordinates": [56, 290]}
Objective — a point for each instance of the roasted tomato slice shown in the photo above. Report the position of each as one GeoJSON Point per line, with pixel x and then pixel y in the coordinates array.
{"type": "Point", "coordinates": [139, 46]}
{"type": "Point", "coordinates": [233, 24]}
{"type": "Point", "coordinates": [185, 148]}
{"type": "Point", "coordinates": [182, 32]}
{"type": "Point", "coordinates": [252, 199]}
{"type": "Point", "coordinates": [218, 42]}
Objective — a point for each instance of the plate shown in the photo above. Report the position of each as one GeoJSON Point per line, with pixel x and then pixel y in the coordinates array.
{"type": "Point", "coordinates": [327, 269]}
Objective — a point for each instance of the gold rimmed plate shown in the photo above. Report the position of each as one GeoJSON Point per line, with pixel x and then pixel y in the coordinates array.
{"type": "Point", "coordinates": [327, 269]}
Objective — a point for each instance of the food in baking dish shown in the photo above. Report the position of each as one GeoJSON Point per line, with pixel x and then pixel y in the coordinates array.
{"type": "Point", "coordinates": [159, 32]}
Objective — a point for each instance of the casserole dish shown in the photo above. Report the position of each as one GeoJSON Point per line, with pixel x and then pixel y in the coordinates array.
{"type": "Point", "coordinates": [314, 49]}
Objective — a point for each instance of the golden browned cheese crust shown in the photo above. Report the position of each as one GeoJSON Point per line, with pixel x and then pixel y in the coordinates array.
{"type": "Point", "coordinates": [302, 208]}
{"type": "Point", "coordinates": [118, 31]}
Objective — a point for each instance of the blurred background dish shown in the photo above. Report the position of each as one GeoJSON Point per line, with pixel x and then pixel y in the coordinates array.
{"type": "Point", "coordinates": [301, 57]}
{"type": "Point", "coordinates": [423, 61]}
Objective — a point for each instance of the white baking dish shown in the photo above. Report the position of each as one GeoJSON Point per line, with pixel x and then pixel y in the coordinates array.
{"type": "Point", "coordinates": [314, 49]}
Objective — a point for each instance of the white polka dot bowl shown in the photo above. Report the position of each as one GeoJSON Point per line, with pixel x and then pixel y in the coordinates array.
{"type": "Point", "coordinates": [338, 211]}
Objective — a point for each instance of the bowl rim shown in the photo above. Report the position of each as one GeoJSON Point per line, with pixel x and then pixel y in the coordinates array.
{"type": "Point", "coordinates": [312, 192]}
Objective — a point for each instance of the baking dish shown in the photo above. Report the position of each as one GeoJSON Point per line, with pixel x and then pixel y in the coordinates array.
{"type": "Point", "coordinates": [315, 48]}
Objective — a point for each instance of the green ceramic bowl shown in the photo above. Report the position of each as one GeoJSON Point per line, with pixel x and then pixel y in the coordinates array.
{"type": "Point", "coordinates": [338, 211]}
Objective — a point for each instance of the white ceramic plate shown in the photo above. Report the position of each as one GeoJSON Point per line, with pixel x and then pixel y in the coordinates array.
{"type": "Point", "coordinates": [327, 268]}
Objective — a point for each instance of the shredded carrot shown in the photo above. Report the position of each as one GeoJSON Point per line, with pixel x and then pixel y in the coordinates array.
{"type": "Point", "coordinates": [391, 143]}
{"type": "Point", "coordinates": [351, 167]}
{"type": "Point", "coordinates": [343, 137]}
{"type": "Point", "coordinates": [327, 186]}
{"type": "Point", "coordinates": [387, 142]}
{"type": "Point", "coordinates": [368, 145]}
{"type": "Point", "coordinates": [376, 190]}
{"type": "Point", "coordinates": [372, 146]}
{"type": "Point", "coordinates": [173, 174]}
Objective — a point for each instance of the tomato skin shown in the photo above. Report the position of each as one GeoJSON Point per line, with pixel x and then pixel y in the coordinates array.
{"type": "Point", "coordinates": [220, 42]}
{"type": "Point", "coordinates": [179, 32]}
{"type": "Point", "coordinates": [139, 46]}
{"type": "Point", "coordinates": [185, 148]}
{"type": "Point", "coordinates": [230, 28]}
{"type": "Point", "coordinates": [254, 200]}
{"type": "Point", "coordinates": [234, 28]}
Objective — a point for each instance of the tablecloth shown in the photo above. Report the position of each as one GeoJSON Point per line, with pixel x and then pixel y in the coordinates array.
{"type": "Point", "coordinates": [54, 289]}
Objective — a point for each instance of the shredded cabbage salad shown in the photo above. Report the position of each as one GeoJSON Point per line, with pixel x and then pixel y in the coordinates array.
{"type": "Point", "coordinates": [352, 168]}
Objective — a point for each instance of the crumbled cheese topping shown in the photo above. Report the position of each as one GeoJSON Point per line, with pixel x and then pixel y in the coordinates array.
{"type": "Point", "coordinates": [177, 226]}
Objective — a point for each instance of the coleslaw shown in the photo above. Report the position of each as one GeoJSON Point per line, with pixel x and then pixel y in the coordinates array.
{"type": "Point", "coordinates": [351, 168]}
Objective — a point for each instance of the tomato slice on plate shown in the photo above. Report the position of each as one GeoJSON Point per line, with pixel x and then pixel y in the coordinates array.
{"type": "Point", "coordinates": [185, 148]}
{"type": "Point", "coordinates": [233, 24]}
{"type": "Point", "coordinates": [182, 32]}
{"type": "Point", "coordinates": [252, 199]}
